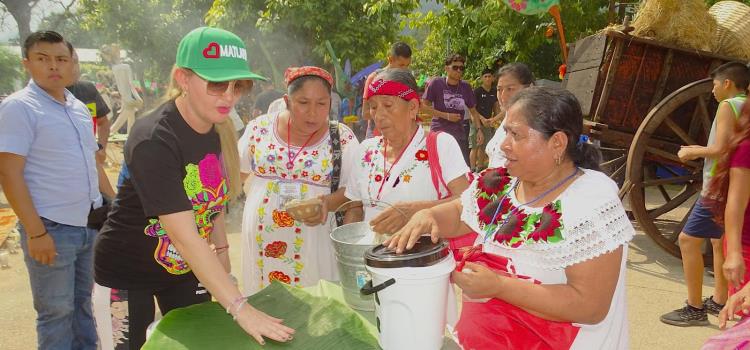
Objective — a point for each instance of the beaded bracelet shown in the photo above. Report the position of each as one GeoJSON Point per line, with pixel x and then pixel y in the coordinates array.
{"type": "Point", "coordinates": [234, 303]}
{"type": "Point", "coordinates": [234, 317]}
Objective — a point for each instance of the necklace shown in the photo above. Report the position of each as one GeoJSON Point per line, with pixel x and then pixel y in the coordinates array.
{"type": "Point", "coordinates": [516, 209]}
{"type": "Point", "coordinates": [290, 163]}
{"type": "Point", "coordinates": [387, 173]}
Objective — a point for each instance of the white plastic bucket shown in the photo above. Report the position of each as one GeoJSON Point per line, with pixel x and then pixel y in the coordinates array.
{"type": "Point", "coordinates": [410, 305]}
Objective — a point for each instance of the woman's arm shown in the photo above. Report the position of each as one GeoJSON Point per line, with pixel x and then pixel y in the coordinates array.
{"type": "Point", "coordinates": [734, 218]}
{"type": "Point", "coordinates": [441, 221]}
{"type": "Point", "coordinates": [220, 242]}
{"type": "Point", "coordinates": [585, 298]}
{"type": "Point", "coordinates": [394, 218]}
{"type": "Point", "coordinates": [181, 229]}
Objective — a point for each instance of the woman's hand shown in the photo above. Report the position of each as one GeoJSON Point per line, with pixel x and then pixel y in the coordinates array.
{"type": "Point", "coordinates": [734, 269]}
{"type": "Point", "coordinates": [312, 213]}
{"type": "Point", "coordinates": [393, 218]}
{"type": "Point", "coordinates": [423, 222]}
{"type": "Point", "coordinates": [477, 281]}
{"type": "Point", "coordinates": [258, 324]}
{"type": "Point", "coordinates": [737, 301]}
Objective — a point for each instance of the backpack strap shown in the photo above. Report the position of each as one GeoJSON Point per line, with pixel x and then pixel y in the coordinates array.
{"type": "Point", "coordinates": [333, 128]}
{"type": "Point", "coordinates": [433, 161]}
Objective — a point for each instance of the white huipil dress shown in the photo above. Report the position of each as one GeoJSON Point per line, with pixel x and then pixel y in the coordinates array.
{"type": "Point", "coordinates": [275, 246]}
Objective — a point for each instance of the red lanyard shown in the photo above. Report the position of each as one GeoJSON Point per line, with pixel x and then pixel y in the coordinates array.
{"type": "Point", "coordinates": [387, 174]}
{"type": "Point", "coordinates": [290, 163]}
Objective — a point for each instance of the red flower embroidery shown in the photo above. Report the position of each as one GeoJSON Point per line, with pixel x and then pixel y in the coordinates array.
{"type": "Point", "coordinates": [487, 210]}
{"type": "Point", "coordinates": [511, 229]}
{"type": "Point", "coordinates": [314, 153]}
{"type": "Point", "coordinates": [260, 227]}
{"type": "Point", "coordinates": [271, 146]}
{"type": "Point", "coordinates": [297, 230]}
{"type": "Point", "coordinates": [296, 256]}
{"type": "Point", "coordinates": [272, 169]}
{"type": "Point", "coordinates": [282, 218]}
{"type": "Point", "coordinates": [296, 279]}
{"type": "Point", "coordinates": [378, 178]}
{"type": "Point", "coordinates": [279, 276]}
{"type": "Point", "coordinates": [304, 174]}
{"type": "Point", "coordinates": [281, 149]}
{"type": "Point", "coordinates": [265, 200]}
{"type": "Point", "coordinates": [276, 249]}
{"type": "Point", "coordinates": [492, 181]}
{"type": "Point", "coordinates": [548, 227]}
{"type": "Point", "coordinates": [421, 155]}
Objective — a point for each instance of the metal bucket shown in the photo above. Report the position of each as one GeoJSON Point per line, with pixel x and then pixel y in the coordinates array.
{"type": "Point", "coordinates": [350, 258]}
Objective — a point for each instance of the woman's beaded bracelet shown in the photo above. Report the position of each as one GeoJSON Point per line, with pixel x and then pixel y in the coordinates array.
{"type": "Point", "coordinates": [234, 304]}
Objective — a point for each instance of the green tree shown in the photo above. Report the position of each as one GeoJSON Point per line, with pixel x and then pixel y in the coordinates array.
{"type": "Point", "coordinates": [488, 32]}
{"type": "Point", "coordinates": [284, 33]}
{"type": "Point", "coordinates": [149, 30]}
{"type": "Point", "coordinates": [10, 70]}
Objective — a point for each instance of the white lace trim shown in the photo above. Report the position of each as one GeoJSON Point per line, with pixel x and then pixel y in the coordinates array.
{"type": "Point", "coordinates": [602, 229]}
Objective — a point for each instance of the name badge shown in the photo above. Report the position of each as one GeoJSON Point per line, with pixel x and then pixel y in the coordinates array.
{"type": "Point", "coordinates": [289, 191]}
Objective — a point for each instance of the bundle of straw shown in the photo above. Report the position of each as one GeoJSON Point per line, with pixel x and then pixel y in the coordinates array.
{"type": "Point", "coordinates": [684, 23]}
{"type": "Point", "coordinates": [732, 37]}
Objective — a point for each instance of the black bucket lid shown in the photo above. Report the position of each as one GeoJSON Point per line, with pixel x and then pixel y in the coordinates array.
{"type": "Point", "coordinates": [424, 253]}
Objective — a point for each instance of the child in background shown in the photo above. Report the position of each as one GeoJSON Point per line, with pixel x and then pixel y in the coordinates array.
{"type": "Point", "coordinates": [730, 81]}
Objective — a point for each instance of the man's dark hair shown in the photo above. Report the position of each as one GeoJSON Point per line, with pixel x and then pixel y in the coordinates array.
{"type": "Point", "coordinates": [487, 71]}
{"type": "Point", "coordinates": [45, 36]}
{"type": "Point", "coordinates": [400, 49]}
{"type": "Point", "coordinates": [737, 72]}
{"type": "Point", "coordinates": [454, 58]}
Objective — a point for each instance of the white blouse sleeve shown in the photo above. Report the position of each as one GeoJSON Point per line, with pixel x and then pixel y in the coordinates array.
{"type": "Point", "coordinates": [357, 175]}
{"type": "Point", "coordinates": [243, 146]}
{"type": "Point", "coordinates": [452, 163]}
{"type": "Point", "coordinates": [349, 147]}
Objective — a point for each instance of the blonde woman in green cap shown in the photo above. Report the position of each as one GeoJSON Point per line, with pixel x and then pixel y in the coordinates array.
{"type": "Point", "coordinates": [165, 236]}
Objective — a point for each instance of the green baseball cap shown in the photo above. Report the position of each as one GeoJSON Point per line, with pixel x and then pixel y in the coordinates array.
{"type": "Point", "coordinates": [215, 55]}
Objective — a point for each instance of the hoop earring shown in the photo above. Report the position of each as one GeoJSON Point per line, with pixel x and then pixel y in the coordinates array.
{"type": "Point", "coordinates": [558, 160]}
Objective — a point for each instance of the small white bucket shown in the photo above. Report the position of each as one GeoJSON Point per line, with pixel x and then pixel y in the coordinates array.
{"type": "Point", "coordinates": [411, 302]}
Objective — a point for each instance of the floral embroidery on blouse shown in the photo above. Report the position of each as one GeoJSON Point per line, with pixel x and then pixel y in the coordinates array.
{"type": "Point", "coordinates": [373, 159]}
{"type": "Point", "coordinates": [514, 226]}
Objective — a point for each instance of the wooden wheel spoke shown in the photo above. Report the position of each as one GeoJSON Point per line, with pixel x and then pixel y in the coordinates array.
{"type": "Point", "coordinates": [679, 131]}
{"type": "Point", "coordinates": [670, 156]}
{"type": "Point", "coordinates": [620, 159]}
{"type": "Point", "coordinates": [671, 205]}
{"type": "Point", "coordinates": [704, 115]}
{"type": "Point", "coordinates": [664, 193]}
{"type": "Point", "coordinates": [672, 180]}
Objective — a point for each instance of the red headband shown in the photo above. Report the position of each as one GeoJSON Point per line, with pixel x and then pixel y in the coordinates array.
{"type": "Point", "coordinates": [292, 73]}
{"type": "Point", "coordinates": [391, 88]}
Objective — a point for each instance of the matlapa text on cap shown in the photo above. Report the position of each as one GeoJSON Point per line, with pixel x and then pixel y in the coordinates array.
{"type": "Point", "coordinates": [214, 50]}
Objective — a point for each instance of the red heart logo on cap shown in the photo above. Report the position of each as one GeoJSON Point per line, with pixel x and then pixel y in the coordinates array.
{"type": "Point", "coordinates": [212, 50]}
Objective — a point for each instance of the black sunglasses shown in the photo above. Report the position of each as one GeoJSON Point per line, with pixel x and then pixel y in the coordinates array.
{"type": "Point", "coordinates": [459, 68]}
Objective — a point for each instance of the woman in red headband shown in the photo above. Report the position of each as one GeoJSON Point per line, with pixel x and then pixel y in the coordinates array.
{"type": "Point", "coordinates": [406, 166]}
{"type": "Point", "coordinates": [290, 156]}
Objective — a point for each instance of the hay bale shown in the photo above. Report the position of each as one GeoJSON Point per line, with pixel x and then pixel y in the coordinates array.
{"type": "Point", "coordinates": [732, 36]}
{"type": "Point", "coordinates": [684, 23]}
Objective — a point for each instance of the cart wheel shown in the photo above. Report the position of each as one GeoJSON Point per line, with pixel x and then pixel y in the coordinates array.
{"type": "Point", "coordinates": [664, 189]}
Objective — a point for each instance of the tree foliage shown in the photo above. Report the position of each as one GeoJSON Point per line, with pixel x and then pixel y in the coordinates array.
{"type": "Point", "coordinates": [284, 33]}
{"type": "Point", "coordinates": [489, 33]}
{"type": "Point", "coordinates": [149, 30]}
{"type": "Point", "coordinates": [10, 70]}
